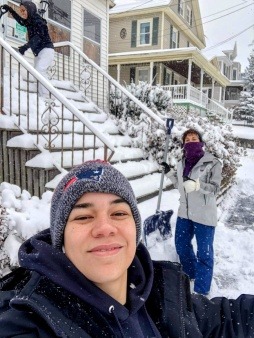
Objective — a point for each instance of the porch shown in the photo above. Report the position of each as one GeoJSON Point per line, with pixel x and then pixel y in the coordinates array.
{"type": "Point", "coordinates": [192, 80]}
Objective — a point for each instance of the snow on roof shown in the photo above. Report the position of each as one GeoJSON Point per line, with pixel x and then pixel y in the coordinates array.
{"type": "Point", "coordinates": [132, 5]}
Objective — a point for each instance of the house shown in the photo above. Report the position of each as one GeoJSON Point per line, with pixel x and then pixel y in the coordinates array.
{"type": "Point", "coordinates": [41, 139]}
{"type": "Point", "coordinates": [232, 70]}
{"type": "Point", "coordinates": [161, 42]}
{"type": "Point", "coordinates": [84, 23]}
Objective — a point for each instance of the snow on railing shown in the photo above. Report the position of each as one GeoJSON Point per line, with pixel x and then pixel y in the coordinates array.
{"type": "Point", "coordinates": [73, 65]}
{"type": "Point", "coordinates": [183, 93]}
{"type": "Point", "coordinates": [33, 115]}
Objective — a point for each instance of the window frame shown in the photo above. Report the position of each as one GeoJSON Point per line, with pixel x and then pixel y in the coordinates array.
{"type": "Point", "coordinates": [168, 75]}
{"type": "Point", "coordinates": [181, 8]}
{"type": "Point", "coordinates": [61, 24]}
{"type": "Point", "coordinates": [144, 68]}
{"type": "Point", "coordinates": [89, 39]}
{"type": "Point", "coordinates": [189, 15]}
{"type": "Point", "coordinates": [174, 32]}
{"type": "Point", "coordinates": [139, 23]}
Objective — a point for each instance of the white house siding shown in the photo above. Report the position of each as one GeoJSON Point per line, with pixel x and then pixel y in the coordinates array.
{"type": "Point", "coordinates": [99, 9]}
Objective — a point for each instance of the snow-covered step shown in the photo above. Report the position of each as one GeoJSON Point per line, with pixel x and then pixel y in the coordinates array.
{"type": "Point", "coordinates": [10, 122]}
{"type": "Point", "coordinates": [136, 169]}
{"type": "Point", "coordinates": [149, 185]}
{"type": "Point", "coordinates": [130, 169]}
{"type": "Point", "coordinates": [65, 141]}
{"type": "Point", "coordinates": [46, 159]}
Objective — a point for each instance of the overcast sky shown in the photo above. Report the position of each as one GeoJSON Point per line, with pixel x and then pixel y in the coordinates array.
{"type": "Point", "coordinates": [230, 19]}
{"type": "Point", "coordinates": [228, 26]}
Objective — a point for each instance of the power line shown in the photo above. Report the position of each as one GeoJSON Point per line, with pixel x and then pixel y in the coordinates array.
{"type": "Point", "coordinates": [186, 29]}
{"type": "Point", "coordinates": [228, 39]}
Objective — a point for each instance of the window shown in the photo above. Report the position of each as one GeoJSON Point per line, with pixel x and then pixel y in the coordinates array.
{"type": "Point", "coordinates": [167, 80]}
{"type": "Point", "coordinates": [59, 15]}
{"type": "Point", "coordinates": [174, 38]}
{"type": "Point", "coordinates": [180, 7]}
{"type": "Point", "coordinates": [92, 36]}
{"type": "Point", "coordinates": [143, 74]}
{"type": "Point", "coordinates": [60, 12]}
{"type": "Point", "coordinates": [14, 29]}
{"type": "Point", "coordinates": [234, 74]}
{"type": "Point", "coordinates": [189, 15]}
{"type": "Point", "coordinates": [144, 32]}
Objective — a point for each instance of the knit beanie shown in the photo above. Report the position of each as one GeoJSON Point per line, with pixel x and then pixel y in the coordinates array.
{"type": "Point", "coordinates": [91, 176]}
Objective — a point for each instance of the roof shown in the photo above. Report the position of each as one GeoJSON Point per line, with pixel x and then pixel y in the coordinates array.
{"type": "Point", "coordinates": [133, 5]}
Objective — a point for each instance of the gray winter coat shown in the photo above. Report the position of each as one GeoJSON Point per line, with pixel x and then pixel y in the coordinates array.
{"type": "Point", "coordinates": [199, 206]}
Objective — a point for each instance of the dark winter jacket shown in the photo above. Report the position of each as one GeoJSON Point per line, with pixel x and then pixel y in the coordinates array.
{"type": "Point", "coordinates": [37, 29]}
{"type": "Point", "coordinates": [49, 297]}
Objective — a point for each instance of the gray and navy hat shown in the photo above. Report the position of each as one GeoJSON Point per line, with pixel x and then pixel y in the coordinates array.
{"type": "Point", "coordinates": [91, 176]}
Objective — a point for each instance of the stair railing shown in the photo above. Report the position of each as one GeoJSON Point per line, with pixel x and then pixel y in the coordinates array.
{"type": "Point", "coordinates": [43, 118]}
{"type": "Point", "coordinates": [96, 84]}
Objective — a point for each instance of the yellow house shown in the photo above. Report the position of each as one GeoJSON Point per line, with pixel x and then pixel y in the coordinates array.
{"type": "Point", "coordinates": [161, 42]}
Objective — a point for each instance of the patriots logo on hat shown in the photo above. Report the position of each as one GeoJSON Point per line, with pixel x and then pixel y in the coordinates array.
{"type": "Point", "coordinates": [89, 174]}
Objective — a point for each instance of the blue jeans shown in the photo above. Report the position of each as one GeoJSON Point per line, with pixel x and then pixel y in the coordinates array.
{"type": "Point", "coordinates": [200, 266]}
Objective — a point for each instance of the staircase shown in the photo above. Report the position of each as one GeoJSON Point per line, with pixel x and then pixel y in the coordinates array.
{"type": "Point", "coordinates": [42, 139]}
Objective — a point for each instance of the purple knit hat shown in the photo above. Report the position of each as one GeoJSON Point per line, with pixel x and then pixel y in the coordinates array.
{"type": "Point", "coordinates": [91, 176]}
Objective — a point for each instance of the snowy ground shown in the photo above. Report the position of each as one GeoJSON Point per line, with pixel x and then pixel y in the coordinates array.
{"type": "Point", "coordinates": [234, 236]}
{"type": "Point", "coordinates": [233, 243]}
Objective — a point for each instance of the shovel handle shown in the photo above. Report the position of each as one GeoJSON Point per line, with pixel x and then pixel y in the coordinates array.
{"type": "Point", "coordinates": [169, 125]}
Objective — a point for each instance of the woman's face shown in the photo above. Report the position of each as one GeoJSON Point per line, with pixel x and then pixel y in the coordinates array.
{"type": "Point", "coordinates": [23, 12]}
{"type": "Point", "coordinates": [191, 138]}
{"type": "Point", "coordinates": [100, 238]}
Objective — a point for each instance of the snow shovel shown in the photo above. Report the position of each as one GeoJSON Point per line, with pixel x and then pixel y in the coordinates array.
{"type": "Point", "coordinates": [161, 219]}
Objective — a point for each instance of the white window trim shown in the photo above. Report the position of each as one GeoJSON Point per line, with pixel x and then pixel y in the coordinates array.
{"type": "Point", "coordinates": [142, 68]}
{"type": "Point", "coordinates": [138, 32]}
{"type": "Point", "coordinates": [188, 14]}
{"type": "Point", "coordinates": [96, 16]}
{"type": "Point", "coordinates": [181, 5]}
{"type": "Point", "coordinates": [176, 41]}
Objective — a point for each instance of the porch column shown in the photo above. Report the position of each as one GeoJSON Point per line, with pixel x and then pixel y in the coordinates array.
{"type": "Point", "coordinates": [151, 72]}
{"type": "Point", "coordinates": [213, 83]}
{"type": "Point", "coordinates": [201, 84]}
{"type": "Point", "coordinates": [118, 72]}
{"type": "Point", "coordinates": [189, 79]}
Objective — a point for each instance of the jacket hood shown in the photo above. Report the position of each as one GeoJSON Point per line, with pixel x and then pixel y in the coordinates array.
{"type": "Point", "coordinates": [39, 255]}
{"type": "Point", "coordinates": [30, 7]}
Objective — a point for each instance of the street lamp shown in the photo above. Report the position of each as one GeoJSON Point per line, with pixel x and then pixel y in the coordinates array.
{"type": "Point", "coordinates": [44, 7]}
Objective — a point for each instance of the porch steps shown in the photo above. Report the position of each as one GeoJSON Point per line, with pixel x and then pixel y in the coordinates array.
{"type": "Point", "coordinates": [38, 171]}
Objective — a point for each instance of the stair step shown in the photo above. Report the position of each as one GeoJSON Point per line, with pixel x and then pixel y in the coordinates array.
{"type": "Point", "coordinates": [107, 126]}
{"type": "Point", "coordinates": [46, 160]}
{"type": "Point", "coordinates": [144, 187]}
{"type": "Point", "coordinates": [133, 169]}
{"type": "Point", "coordinates": [29, 141]}
{"type": "Point", "coordinates": [148, 186]}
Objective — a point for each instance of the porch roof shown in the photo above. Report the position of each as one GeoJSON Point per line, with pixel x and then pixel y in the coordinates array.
{"type": "Point", "coordinates": [167, 55]}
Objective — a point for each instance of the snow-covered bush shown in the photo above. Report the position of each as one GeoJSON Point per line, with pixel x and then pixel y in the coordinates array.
{"type": "Point", "coordinates": [150, 136]}
{"type": "Point", "coordinates": [21, 216]}
{"type": "Point", "coordinates": [4, 232]}
{"type": "Point", "coordinates": [156, 98]}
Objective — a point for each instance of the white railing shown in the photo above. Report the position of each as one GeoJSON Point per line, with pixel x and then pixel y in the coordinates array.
{"type": "Point", "coordinates": [185, 93]}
